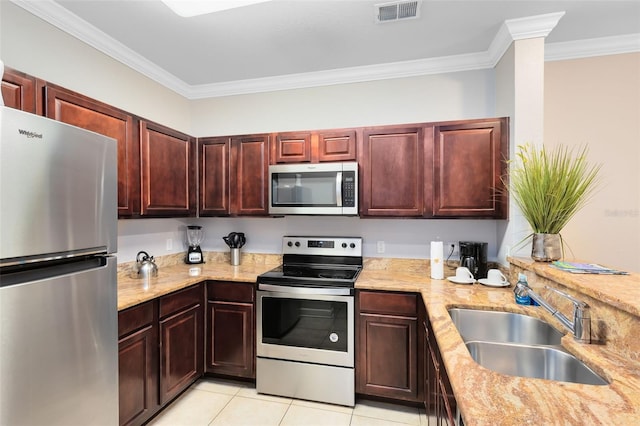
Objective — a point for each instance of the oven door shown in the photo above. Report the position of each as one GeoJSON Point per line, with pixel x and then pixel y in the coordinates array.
{"type": "Point", "coordinates": [314, 328]}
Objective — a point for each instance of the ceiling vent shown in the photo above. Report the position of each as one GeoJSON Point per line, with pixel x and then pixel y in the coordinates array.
{"type": "Point", "coordinates": [396, 11]}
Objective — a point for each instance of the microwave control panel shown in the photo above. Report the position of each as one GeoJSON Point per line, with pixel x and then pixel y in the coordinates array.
{"type": "Point", "coordinates": [349, 189]}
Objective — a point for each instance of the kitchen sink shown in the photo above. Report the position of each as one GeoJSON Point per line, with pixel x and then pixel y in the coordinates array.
{"type": "Point", "coordinates": [503, 327]}
{"type": "Point", "coordinates": [519, 345]}
{"type": "Point", "coordinates": [542, 362]}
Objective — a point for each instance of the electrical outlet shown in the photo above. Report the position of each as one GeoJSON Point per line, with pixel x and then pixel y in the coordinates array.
{"type": "Point", "coordinates": [169, 244]}
{"type": "Point", "coordinates": [447, 249]}
{"type": "Point", "coordinates": [380, 247]}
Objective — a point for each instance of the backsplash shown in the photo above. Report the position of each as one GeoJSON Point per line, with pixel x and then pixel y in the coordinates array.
{"type": "Point", "coordinates": [125, 269]}
{"type": "Point", "coordinates": [610, 326]}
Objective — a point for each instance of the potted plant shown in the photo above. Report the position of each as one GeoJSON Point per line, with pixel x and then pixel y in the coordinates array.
{"type": "Point", "coordinates": [550, 186]}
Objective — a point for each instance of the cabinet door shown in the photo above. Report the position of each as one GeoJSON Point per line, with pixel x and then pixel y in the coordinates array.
{"type": "Point", "coordinates": [181, 360]}
{"type": "Point", "coordinates": [230, 339]}
{"type": "Point", "coordinates": [292, 148]}
{"type": "Point", "coordinates": [168, 171]}
{"type": "Point", "coordinates": [388, 354]}
{"type": "Point", "coordinates": [443, 401]}
{"type": "Point", "coordinates": [469, 160]}
{"type": "Point", "coordinates": [137, 365]}
{"type": "Point", "coordinates": [249, 179]}
{"type": "Point", "coordinates": [393, 172]}
{"type": "Point", "coordinates": [214, 176]}
{"type": "Point", "coordinates": [19, 90]}
{"type": "Point", "coordinates": [388, 346]}
{"type": "Point", "coordinates": [337, 145]}
{"type": "Point", "coordinates": [78, 110]}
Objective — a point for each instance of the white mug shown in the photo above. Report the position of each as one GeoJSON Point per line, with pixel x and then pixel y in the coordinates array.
{"type": "Point", "coordinates": [496, 277]}
{"type": "Point", "coordinates": [463, 273]}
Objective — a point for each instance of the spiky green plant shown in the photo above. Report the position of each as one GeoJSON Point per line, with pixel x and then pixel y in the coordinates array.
{"type": "Point", "coordinates": [550, 186]}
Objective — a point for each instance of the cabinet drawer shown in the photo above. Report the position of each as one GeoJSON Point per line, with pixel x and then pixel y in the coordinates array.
{"type": "Point", "coordinates": [179, 300]}
{"type": "Point", "coordinates": [231, 292]}
{"type": "Point", "coordinates": [388, 303]}
{"type": "Point", "coordinates": [135, 318]}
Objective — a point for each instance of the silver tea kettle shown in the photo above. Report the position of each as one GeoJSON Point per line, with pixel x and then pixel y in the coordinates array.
{"type": "Point", "coordinates": [145, 265]}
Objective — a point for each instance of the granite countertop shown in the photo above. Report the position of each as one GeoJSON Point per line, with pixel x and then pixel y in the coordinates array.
{"type": "Point", "coordinates": [484, 397]}
{"type": "Point", "coordinates": [175, 274]}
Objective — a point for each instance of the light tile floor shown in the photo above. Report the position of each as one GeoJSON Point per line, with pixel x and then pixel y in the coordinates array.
{"type": "Point", "coordinates": [216, 402]}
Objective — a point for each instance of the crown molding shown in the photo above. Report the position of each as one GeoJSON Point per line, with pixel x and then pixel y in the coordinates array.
{"type": "Point", "coordinates": [56, 15]}
{"type": "Point", "coordinates": [513, 29]}
{"type": "Point", "coordinates": [592, 47]}
{"type": "Point", "coordinates": [456, 63]}
{"type": "Point", "coordinates": [520, 29]}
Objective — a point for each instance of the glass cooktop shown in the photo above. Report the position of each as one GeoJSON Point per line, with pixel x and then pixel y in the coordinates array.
{"type": "Point", "coordinates": [317, 275]}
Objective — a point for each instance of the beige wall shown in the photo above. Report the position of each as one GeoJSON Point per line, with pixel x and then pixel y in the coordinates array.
{"type": "Point", "coordinates": [596, 101]}
{"type": "Point", "coordinates": [448, 96]}
{"type": "Point", "coordinates": [31, 45]}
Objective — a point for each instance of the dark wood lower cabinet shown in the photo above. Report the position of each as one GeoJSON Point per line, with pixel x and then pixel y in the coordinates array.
{"type": "Point", "coordinates": [230, 329]}
{"type": "Point", "coordinates": [181, 334]}
{"type": "Point", "coordinates": [439, 401]}
{"type": "Point", "coordinates": [387, 347]}
{"type": "Point", "coordinates": [138, 366]}
{"type": "Point", "coordinates": [160, 352]}
{"type": "Point", "coordinates": [180, 351]}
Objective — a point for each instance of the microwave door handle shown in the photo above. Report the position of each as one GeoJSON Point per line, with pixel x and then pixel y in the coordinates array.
{"type": "Point", "coordinates": [339, 189]}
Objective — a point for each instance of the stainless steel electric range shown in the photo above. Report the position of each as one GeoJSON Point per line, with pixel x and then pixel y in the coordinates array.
{"type": "Point", "coordinates": [305, 320]}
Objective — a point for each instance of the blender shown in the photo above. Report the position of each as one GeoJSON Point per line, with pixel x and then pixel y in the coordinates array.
{"type": "Point", "coordinates": [195, 235]}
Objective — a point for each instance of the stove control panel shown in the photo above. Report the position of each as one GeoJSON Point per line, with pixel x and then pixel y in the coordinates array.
{"type": "Point", "coordinates": [325, 246]}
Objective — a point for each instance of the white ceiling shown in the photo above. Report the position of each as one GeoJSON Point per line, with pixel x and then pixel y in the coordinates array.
{"type": "Point", "coordinates": [264, 46]}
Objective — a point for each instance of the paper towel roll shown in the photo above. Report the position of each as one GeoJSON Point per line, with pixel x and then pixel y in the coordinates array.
{"type": "Point", "coordinates": [437, 263]}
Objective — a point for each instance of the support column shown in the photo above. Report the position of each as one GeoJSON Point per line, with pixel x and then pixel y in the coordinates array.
{"type": "Point", "coordinates": [520, 95]}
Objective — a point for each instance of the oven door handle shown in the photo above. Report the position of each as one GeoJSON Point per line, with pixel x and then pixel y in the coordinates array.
{"type": "Point", "coordinates": [306, 290]}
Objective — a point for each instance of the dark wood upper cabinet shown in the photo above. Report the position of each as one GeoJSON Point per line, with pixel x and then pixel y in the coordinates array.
{"type": "Point", "coordinates": [214, 176]}
{"type": "Point", "coordinates": [168, 171]}
{"type": "Point", "coordinates": [78, 110]}
{"type": "Point", "coordinates": [250, 175]}
{"type": "Point", "coordinates": [392, 167]}
{"type": "Point", "coordinates": [314, 147]}
{"type": "Point", "coordinates": [338, 145]}
{"type": "Point", "coordinates": [19, 90]}
{"type": "Point", "coordinates": [292, 148]}
{"type": "Point", "coordinates": [469, 160]}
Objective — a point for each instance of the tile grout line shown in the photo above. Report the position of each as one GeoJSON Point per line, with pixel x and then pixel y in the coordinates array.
{"type": "Point", "coordinates": [222, 409]}
{"type": "Point", "coordinates": [285, 413]}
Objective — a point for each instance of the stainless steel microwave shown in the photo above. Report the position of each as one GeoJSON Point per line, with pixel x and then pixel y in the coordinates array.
{"type": "Point", "coordinates": [314, 189]}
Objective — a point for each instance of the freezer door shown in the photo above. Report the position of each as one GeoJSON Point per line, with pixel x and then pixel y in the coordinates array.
{"type": "Point", "coordinates": [59, 346]}
{"type": "Point", "coordinates": [58, 188]}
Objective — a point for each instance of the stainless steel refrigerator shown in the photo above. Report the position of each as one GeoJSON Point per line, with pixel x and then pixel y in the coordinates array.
{"type": "Point", "coordinates": [58, 294]}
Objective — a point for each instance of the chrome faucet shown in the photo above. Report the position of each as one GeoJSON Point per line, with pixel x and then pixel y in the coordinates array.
{"type": "Point", "coordinates": [581, 324]}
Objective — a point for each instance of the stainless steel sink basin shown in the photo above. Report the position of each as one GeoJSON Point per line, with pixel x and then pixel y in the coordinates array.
{"type": "Point", "coordinates": [540, 362]}
{"type": "Point", "coordinates": [503, 327]}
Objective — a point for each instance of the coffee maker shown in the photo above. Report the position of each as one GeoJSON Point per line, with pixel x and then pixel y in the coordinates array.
{"type": "Point", "coordinates": [195, 235]}
{"type": "Point", "coordinates": [473, 255]}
